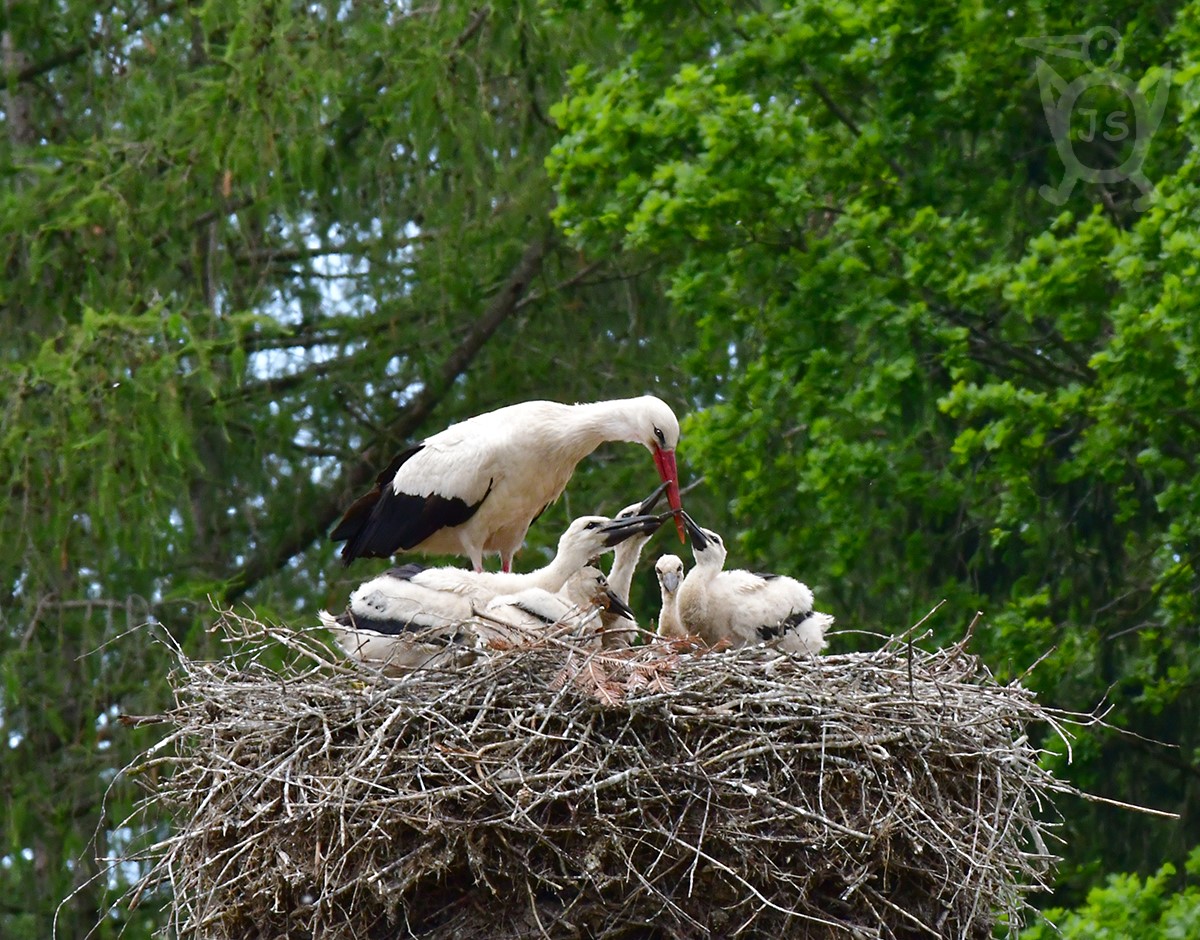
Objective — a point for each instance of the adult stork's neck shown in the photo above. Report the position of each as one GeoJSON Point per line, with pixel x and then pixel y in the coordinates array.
{"type": "Point", "coordinates": [588, 426]}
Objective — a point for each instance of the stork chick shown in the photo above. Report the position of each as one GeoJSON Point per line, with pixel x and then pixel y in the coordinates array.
{"type": "Point", "coordinates": [535, 610]}
{"type": "Point", "coordinates": [399, 626]}
{"type": "Point", "coordinates": [745, 607]}
{"type": "Point", "coordinates": [584, 539]}
{"type": "Point", "coordinates": [619, 630]}
{"type": "Point", "coordinates": [407, 617]}
{"type": "Point", "coordinates": [669, 569]}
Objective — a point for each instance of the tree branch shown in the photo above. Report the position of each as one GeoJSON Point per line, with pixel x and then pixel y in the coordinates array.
{"type": "Point", "coordinates": [93, 41]}
{"type": "Point", "coordinates": [318, 521]}
{"type": "Point", "coordinates": [289, 254]}
{"type": "Point", "coordinates": [844, 116]}
{"type": "Point", "coordinates": [228, 207]}
{"type": "Point", "coordinates": [472, 27]}
{"type": "Point", "coordinates": [1041, 368]}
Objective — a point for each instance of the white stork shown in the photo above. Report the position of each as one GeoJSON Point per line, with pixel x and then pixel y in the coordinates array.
{"type": "Point", "coordinates": [669, 570]}
{"type": "Point", "coordinates": [412, 616]}
{"type": "Point", "coordinates": [476, 486]}
{"type": "Point", "coordinates": [585, 598]}
{"type": "Point", "coordinates": [396, 624]}
{"type": "Point", "coordinates": [619, 629]}
{"type": "Point", "coordinates": [745, 607]}
{"type": "Point", "coordinates": [439, 629]}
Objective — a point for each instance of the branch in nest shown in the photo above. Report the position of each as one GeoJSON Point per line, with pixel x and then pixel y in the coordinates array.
{"type": "Point", "coordinates": [891, 794]}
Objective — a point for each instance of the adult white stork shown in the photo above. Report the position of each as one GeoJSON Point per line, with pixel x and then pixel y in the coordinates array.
{"type": "Point", "coordinates": [669, 570]}
{"type": "Point", "coordinates": [746, 607]}
{"type": "Point", "coordinates": [476, 486]}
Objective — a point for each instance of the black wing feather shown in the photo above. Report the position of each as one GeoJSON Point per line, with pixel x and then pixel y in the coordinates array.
{"type": "Point", "coordinates": [383, 522]}
{"type": "Point", "coordinates": [790, 622]}
{"type": "Point", "coordinates": [535, 614]}
{"type": "Point", "coordinates": [405, 572]}
{"type": "Point", "coordinates": [355, 621]}
{"type": "Point", "coordinates": [355, 517]}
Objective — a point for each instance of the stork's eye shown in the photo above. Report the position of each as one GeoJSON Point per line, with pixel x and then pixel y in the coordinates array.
{"type": "Point", "coordinates": [592, 525]}
{"type": "Point", "coordinates": [662, 438]}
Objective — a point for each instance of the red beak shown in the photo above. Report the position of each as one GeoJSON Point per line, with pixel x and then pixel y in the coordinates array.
{"type": "Point", "coordinates": [664, 460]}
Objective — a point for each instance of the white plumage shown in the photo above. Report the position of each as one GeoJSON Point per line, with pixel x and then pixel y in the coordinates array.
{"type": "Point", "coordinates": [530, 611]}
{"type": "Point", "coordinates": [476, 486]}
{"type": "Point", "coordinates": [579, 605]}
{"type": "Point", "coordinates": [399, 626]}
{"type": "Point", "coordinates": [411, 617]}
{"type": "Point", "coordinates": [745, 607]}
{"type": "Point", "coordinates": [620, 629]}
{"type": "Point", "coordinates": [669, 569]}
{"type": "Point", "coordinates": [584, 539]}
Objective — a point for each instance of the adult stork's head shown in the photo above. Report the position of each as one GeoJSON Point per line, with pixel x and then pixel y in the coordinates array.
{"type": "Point", "coordinates": [658, 429]}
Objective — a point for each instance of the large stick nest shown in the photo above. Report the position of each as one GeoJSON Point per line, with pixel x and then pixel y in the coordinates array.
{"type": "Point", "coordinates": [552, 790]}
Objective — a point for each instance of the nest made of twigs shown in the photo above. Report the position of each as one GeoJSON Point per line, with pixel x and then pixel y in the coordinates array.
{"type": "Point", "coordinates": [552, 790]}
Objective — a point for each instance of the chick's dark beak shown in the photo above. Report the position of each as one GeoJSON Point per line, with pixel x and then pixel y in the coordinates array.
{"type": "Point", "coordinates": [648, 504]}
{"type": "Point", "coordinates": [699, 539]}
{"type": "Point", "coordinates": [614, 604]}
{"type": "Point", "coordinates": [619, 530]}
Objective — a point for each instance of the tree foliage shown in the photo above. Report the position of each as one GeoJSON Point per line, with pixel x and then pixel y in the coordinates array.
{"type": "Point", "coordinates": [1128, 906]}
{"type": "Point", "coordinates": [250, 248]}
{"type": "Point", "coordinates": [932, 381]}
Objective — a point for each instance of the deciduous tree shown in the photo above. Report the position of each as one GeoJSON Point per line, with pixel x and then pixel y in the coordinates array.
{"type": "Point", "coordinates": [935, 383]}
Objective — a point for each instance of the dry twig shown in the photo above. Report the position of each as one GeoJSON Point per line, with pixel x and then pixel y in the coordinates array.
{"type": "Point", "coordinates": [553, 790]}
